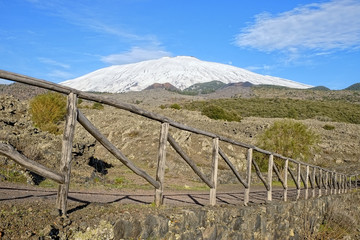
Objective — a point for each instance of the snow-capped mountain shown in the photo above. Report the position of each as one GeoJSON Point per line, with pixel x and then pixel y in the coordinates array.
{"type": "Point", "coordinates": [181, 72]}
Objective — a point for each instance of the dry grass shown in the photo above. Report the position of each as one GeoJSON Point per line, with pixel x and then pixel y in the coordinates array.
{"type": "Point", "coordinates": [336, 223]}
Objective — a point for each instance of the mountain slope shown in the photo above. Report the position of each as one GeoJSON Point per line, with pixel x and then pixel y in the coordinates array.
{"type": "Point", "coordinates": [354, 87]}
{"type": "Point", "coordinates": [181, 72]}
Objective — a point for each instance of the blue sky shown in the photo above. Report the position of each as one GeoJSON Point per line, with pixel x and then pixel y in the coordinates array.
{"type": "Point", "coordinates": [313, 42]}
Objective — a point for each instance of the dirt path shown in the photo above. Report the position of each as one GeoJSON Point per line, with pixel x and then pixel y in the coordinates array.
{"type": "Point", "coordinates": [19, 193]}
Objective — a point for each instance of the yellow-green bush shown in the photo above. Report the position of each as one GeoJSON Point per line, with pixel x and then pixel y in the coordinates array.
{"type": "Point", "coordinates": [97, 106]}
{"type": "Point", "coordinates": [288, 138]}
{"type": "Point", "coordinates": [47, 111]}
{"type": "Point", "coordinates": [216, 112]}
{"type": "Point", "coordinates": [175, 106]}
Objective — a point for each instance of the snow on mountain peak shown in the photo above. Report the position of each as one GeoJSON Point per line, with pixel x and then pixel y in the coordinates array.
{"type": "Point", "coordinates": [180, 71]}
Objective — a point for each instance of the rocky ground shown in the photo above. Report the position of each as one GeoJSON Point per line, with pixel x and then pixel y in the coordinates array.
{"type": "Point", "coordinates": [137, 137]}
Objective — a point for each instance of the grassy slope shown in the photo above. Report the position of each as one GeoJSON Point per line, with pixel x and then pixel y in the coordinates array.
{"type": "Point", "coordinates": [272, 102]}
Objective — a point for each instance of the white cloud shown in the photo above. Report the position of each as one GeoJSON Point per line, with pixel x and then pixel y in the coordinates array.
{"type": "Point", "coordinates": [318, 27]}
{"type": "Point", "coordinates": [53, 62]}
{"type": "Point", "coordinates": [136, 54]}
{"type": "Point", "coordinates": [60, 74]}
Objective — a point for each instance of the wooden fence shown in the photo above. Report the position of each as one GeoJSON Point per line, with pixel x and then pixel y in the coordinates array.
{"type": "Point", "coordinates": [305, 175]}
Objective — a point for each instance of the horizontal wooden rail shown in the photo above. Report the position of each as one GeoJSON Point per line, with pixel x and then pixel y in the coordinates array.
{"type": "Point", "coordinates": [33, 166]}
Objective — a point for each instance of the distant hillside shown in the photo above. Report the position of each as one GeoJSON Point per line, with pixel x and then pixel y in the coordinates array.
{"type": "Point", "coordinates": [216, 88]}
{"type": "Point", "coordinates": [267, 86]}
{"type": "Point", "coordinates": [326, 110]}
{"type": "Point", "coordinates": [354, 87]}
{"type": "Point", "coordinates": [239, 84]}
{"type": "Point", "coordinates": [166, 86]}
{"type": "Point", "coordinates": [320, 88]}
{"type": "Point", "coordinates": [20, 91]}
{"type": "Point", "coordinates": [204, 88]}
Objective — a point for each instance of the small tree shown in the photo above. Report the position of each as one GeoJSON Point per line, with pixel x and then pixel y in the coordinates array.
{"type": "Point", "coordinates": [47, 111]}
{"type": "Point", "coordinates": [219, 113]}
{"type": "Point", "coordinates": [290, 139]}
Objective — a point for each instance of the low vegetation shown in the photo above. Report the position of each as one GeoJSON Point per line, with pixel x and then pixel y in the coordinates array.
{"type": "Point", "coordinates": [328, 127]}
{"type": "Point", "coordinates": [288, 138]}
{"type": "Point", "coordinates": [316, 93]}
{"type": "Point", "coordinates": [47, 111]}
{"type": "Point", "coordinates": [175, 106]}
{"type": "Point", "coordinates": [97, 106]}
{"type": "Point", "coordinates": [325, 110]}
{"type": "Point", "coordinates": [219, 113]}
{"type": "Point", "coordinates": [200, 88]}
{"type": "Point", "coordinates": [203, 88]}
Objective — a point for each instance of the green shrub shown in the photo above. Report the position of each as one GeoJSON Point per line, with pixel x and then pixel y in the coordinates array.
{"type": "Point", "coordinates": [97, 106]}
{"type": "Point", "coordinates": [288, 138]}
{"type": "Point", "coordinates": [175, 106]}
{"type": "Point", "coordinates": [328, 127]}
{"type": "Point", "coordinates": [217, 113]}
{"type": "Point", "coordinates": [47, 111]}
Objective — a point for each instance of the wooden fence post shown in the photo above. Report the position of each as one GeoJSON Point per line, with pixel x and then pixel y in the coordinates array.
{"type": "Point", "coordinates": [306, 183]}
{"type": "Point", "coordinates": [160, 172]}
{"type": "Point", "coordinates": [343, 180]}
{"type": "Point", "coordinates": [339, 178]}
{"type": "Point", "coordinates": [313, 182]}
{"type": "Point", "coordinates": [346, 183]}
{"type": "Point", "coordinates": [320, 181]}
{"type": "Point", "coordinates": [286, 166]}
{"type": "Point", "coordinates": [298, 180]}
{"type": "Point", "coordinates": [66, 153]}
{"type": "Point", "coordinates": [215, 162]}
{"type": "Point", "coordinates": [335, 181]}
{"type": "Point", "coordinates": [248, 175]}
{"type": "Point", "coordinates": [270, 173]}
{"type": "Point", "coordinates": [350, 187]}
{"type": "Point", "coordinates": [336, 186]}
{"type": "Point", "coordinates": [354, 177]}
{"type": "Point", "coordinates": [343, 177]}
{"type": "Point", "coordinates": [326, 182]}
{"type": "Point", "coordinates": [330, 182]}
{"type": "Point", "coordinates": [354, 185]}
